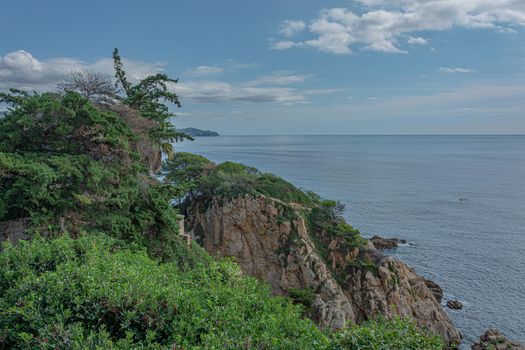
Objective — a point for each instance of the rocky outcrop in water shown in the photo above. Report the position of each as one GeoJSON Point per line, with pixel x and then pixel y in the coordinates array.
{"type": "Point", "coordinates": [454, 304]}
{"type": "Point", "coordinates": [386, 243]}
{"type": "Point", "coordinates": [494, 340]}
{"type": "Point", "coordinates": [271, 245]}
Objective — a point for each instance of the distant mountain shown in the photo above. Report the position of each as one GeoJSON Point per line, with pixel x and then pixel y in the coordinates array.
{"type": "Point", "coordinates": [198, 132]}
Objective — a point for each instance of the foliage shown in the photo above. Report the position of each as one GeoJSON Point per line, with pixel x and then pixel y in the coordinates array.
{"type": "Point", "coordinates": [55, 124]}
{"type": "Point", "coordinates": [327, 219]}
{"type": "Point", "coordinates": [186, 168]}
{"type": "Point", "coordinates": [71, 166]}
{"type": "Point", "coordinates": [229, 180]}
{"type": "Point", "coordinates": [380, 334]}
{"type": "Point", "coordinates": [96, 292]}
{"type": "Point", "coordinates": [333, 236]}
{"type": "Point", "coordinates": [303, 296]}
{"type": "Point", "coordinates": [149, 97]}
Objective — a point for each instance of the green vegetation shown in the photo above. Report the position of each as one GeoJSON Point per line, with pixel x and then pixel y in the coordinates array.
{"type": "Point", "coordinates": [106, 268]}
{"type": "Point", "coordinates": [149, 97]}
{"type": "Point", "coordinates": [380, 334]}
{"type": "Point", "coordinates": [229, 180]}
{"type": "Point", "coordinates": [100, 293]}
{"type": "Point", "coordinates": [333, 236]}
{"type": "Point", "coordinates": [73, 167]}
{"type": "Point", "coordinates": [96, 293]}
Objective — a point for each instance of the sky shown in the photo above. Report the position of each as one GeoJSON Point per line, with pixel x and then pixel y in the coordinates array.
{"type": "Point", "coordinates": [291, 66]}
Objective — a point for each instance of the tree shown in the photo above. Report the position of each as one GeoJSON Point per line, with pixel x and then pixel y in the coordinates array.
{"type": "Point", "coordinates": [95, 86]}
{"type": "Point", "coordinates": [149, 96]}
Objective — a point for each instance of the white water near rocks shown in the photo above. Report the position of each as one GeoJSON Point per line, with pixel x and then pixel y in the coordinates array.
{"type": "Point", "coordinates": [459, 199]}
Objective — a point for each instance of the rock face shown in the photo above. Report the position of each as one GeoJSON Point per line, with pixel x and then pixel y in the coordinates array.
{"type": "Point", "coordinates": [454, 304]}
{"type": "Point", "coordinates": [14, 230]}
{"type": "Point", "coordinates": [435, 289]}
{"type": "Point", "coordinates": [281, 251]}
{"type": "Point", "coordinates": [386, 243]}
{"type": "Point", "coordinates": [494, 340]}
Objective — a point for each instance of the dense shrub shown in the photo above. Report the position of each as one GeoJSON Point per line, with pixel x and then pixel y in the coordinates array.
{"type": "Point", "coordinates": [229, 180]}
{"type": "Point", "coordinates": [95, 292]}
{"type": "Point", "coordinates": [71, 166]}
{"type": "Point", "coordinates": [380, 334]}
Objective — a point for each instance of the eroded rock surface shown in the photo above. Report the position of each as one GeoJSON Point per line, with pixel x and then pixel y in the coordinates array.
{"type": "Point", "coordinates": [494, 340]}
{"type": "Point", "coordinates": [435, 289]}
{"type": "Point", "coordinates": [454, 304]}
{"type": "Point", "coordinates": [271, 246]}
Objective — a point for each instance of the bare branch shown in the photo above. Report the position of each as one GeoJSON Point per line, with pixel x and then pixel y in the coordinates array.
{"type": "Point", "coordinates": [95, 86]}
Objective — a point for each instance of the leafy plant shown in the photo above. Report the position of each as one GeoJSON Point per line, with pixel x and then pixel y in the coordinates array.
{"type": "Point", "coordinates": [99, 292]}
{"type": "Point", "coordinates": [381, 334]}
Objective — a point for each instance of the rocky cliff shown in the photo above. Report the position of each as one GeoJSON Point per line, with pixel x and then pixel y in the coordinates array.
{"type": "Point", "coordinates": [273, 245]}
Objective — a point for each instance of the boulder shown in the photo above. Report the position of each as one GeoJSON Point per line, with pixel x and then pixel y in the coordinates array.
{"type": "Point", "coordinates": [454, 304]}
{"type": "Point", "coordinates": [386, 243]}
{"type": "Point", "coordinates": [494, 340]}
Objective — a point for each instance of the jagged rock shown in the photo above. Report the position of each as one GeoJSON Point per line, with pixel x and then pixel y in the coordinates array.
{"type": "Point", "coordinates": [494, 340]}
{"type": "Point", "coordinates": [454, 304]}
{"type": "Point", "coordinates": [435, 289]}
{"type": "Point", "coordinates": [280, 250]}
{"type": "Point", "coordinates": [386, 243]}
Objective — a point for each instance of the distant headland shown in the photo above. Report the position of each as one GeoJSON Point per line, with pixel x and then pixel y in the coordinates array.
{"type": "Point", "coordinates": [194, 132]}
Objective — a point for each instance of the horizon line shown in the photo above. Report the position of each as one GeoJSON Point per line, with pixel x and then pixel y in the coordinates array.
{"type": "Point", "coordinates": [370, 135]}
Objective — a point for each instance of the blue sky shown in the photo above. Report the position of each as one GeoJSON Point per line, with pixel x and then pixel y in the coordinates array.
{"type": "Point", "coordinates": [290, 66]}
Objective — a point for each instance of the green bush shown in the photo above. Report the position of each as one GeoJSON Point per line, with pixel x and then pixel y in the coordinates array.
{"type": "Point", "coordinates": [69, 165]}
{"type": "Point", "coordinates": [95, 292]}
{"type": "Point", "coordinates": [229, 180]}
{"type": "Point", "coordinates": [380, 334]}
{"type": "Point", "coordinates": [303, 296]}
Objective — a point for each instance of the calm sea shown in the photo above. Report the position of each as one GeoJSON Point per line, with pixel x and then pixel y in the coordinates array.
{"type": "Point", "coordinates": [459, 199]}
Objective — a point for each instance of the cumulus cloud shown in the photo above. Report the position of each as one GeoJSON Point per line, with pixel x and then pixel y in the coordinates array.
{"type": "Point", "coordinates": [20, 69]}
{"type": "Point", "coordinates": [291, 28]}
{"type": "Point", "coordinates": [383, 24]}
{"type": "Point", "coordinates": [452, 70]}
{"type": "Point", "coordinates": [416, 40]}
{"type": "Point", "coordinates": [205, 70]}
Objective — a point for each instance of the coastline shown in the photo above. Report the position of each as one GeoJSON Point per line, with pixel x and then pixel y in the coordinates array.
{"type": "Point", "coordinates": [286, 157]}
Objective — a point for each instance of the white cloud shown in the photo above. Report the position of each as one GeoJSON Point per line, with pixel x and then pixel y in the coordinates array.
{"type": "Point", "coordinates": [452, 70]}
{"type": "Point", "coordinates": [205, 70]}
{"type": "Point", "coordinates": [416, 40]}
{"type": "Point", "coordinates": [217, 91]}
{"type": "Point", "coordinates": [282, 78]}
{"type": "Point", "coordinates": [283, 45]}
{"type": "Point", "coordinates": [291, 28]}
{"type": "Point", "coordinates": [20, 69]}
{"type": "Point", "coordinates": [383, 24]}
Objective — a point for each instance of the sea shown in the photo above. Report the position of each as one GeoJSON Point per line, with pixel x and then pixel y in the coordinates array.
{"type": "Point", "coordinates": [458, 200]}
